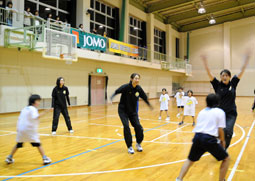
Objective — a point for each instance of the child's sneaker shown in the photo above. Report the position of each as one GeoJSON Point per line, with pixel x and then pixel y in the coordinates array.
{"type": "Point", "coordinates": [177, 179]}
{"type": "Point", "coordinates": [194, 124]}
{"type": "Point", "coordinates": [46, 161]}
{"type": "Point", "coordinates": [178, 115]}
{"type": "Point", "coordinates": [131, 150]}
{"type": "Point", "coordinates": [159, 117]}
{"type": "Point", "coordinates": [168, 118]}
{"type": "Point", "coordinates": [180, 123]}
{"type": "Point", "coordinates": [139, 147]}
{"type": "Point", "coordinates": [9, 160]}
{"type": "Point", "coordinates": [53, 133]}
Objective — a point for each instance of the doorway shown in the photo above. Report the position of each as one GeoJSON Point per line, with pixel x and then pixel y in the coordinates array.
{"type": "Point", "coordinates": [98, 90]}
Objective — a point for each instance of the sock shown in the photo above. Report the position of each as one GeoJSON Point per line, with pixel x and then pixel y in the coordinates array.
{"type": "Point", "coordinates": [44, 157]}
{"type": "Point", "coordinates": [10, 156]}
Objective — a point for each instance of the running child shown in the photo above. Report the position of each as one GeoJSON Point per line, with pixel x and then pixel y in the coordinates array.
{"type": "Point", "coordinates": [178, 97]}
{"type": "Point", "coordinates": [189, 106]}
{"type": "Point", "coordinates": [127, 110]}
{"type": "Point", "coordinates": [27, 126]}
{"type": "Point", "coordinates": [210, 124]}
{"type": "Point", "coordinates": [60, 95]}
{"type": "Point", "coordinates": [164, 99]}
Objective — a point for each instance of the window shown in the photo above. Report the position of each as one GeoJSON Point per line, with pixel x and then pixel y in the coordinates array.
{"type": "Point", "coordinates": [103, 18]}
{"type": "Point", "coordinates": [55, 7]}
{"type": "Point", "coordinates": [159, 41]}
{"type": "Point", "coordinates": [135, 31]}
{"type": "Point", "coordinates": [177, 48]}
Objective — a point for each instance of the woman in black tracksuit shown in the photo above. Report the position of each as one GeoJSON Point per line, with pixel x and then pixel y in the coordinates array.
{"type": "Point", "coordinates": [127, 110]}
{"type": "Point", "coordinates": [60, 95]}
{"type": "Point", "coordinates": [253, 105]}
{"type": "Point", "coordinates": [226, 89]}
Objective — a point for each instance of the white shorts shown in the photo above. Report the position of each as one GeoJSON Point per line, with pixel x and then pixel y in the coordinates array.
{"type": "Point", "coordinates": [30, 136]}
{"type": "Point", "coordinates": [188, 112]}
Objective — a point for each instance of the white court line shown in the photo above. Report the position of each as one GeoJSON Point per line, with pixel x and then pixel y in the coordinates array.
{"type": "Point", "coordinates": [71, 136]}
{"type": "Point", "coordinates": [169, 133]}
{"type": "Point", "coordinates": [7, 134]}
{"type": "Point", "coordinates": [231, 175]}
{"type": "Point", "coordinates": [119, 126]}
{"type": "Point", "coordinates": [119, 170]}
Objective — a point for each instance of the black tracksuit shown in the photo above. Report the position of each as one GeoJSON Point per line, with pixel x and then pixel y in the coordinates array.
{"type": "Point", "coordinates": [59, 97]}
{"type": "Point", "coordinates": [128, 110]}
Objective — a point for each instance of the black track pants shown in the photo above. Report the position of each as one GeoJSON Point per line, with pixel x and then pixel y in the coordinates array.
{"type": "Point", "coordinates": [135, 123]}
{"type": "Point", "coordinates": [56, 114]}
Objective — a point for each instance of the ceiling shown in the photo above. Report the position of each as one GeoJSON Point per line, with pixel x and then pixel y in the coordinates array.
{"type": "Point", "coordinates": [183, 15]}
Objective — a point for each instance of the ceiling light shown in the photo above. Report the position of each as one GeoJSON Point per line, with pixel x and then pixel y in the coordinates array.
{"type": "Point", "coordinates": [201, 9]}
{"type": "Point", "coordinates": [212, 20]}
{"type": "Point", "coordinates": [101, 26]}
{"type": "Point", "coordinates": [47, 9]}
{"type": "Point", "coordinates": [135, 28]}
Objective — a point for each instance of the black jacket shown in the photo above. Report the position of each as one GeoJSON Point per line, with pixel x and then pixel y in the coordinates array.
{"type": "Point", "coordinates": [60, 96]}
{"type": "Point", "coordinates": [129, 97]}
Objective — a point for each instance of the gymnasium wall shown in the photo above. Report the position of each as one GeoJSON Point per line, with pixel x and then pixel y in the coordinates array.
{"type": "Point", "coordinates": [25, 72]}
{"type": "Point", "coordinates": [215, 42]}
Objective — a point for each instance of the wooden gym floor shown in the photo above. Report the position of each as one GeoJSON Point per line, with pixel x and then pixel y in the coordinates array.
{"type": "Point", "coordinates": [97, 151]}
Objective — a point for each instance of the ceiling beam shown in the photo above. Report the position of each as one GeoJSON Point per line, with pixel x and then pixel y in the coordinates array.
{"type": "Point", "coordinates": [209, 10]}
{"type": "Point", "coordinates": [165, 5]}
{"type": "Point", "coordinates": [219, 20]}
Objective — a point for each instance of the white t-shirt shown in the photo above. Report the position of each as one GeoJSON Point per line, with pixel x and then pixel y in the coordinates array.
{"type": "Point", "coordinates": [27, 20]}
{"type": "Point", "coordinates": [164, 102]}
{"type": "Point", "coordinates": [27, 125]}
{"type": "Point", "coordinates": [209, 120]}
{"type": "Point", "coordinates": [178, 97]}
{"type": "Point", "coordinates": [189, 105]}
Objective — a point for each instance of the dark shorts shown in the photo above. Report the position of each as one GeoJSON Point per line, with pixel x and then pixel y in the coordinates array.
{"type": "Point", "coordinates": [20, 145]}
{"type": "Point", "coordinates": [206, 143]}
{"type": "Point", "coordinates": [180, 106]}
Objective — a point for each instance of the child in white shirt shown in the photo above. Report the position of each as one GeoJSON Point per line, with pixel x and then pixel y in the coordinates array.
{"type": "Point", "coordinates": [178, 96]}
{"type": "Point", "coordinates": [210, 124]}
{"type": "Point", "coordinates": [164, 98]}
{"type": "Point", "coordinates": [27, 129]}
{"type": "Point", "coordinates": [189, 106]}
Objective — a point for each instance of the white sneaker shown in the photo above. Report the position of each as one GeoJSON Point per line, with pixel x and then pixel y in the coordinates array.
{"type": "Point", "coordinates": [168, 119]}
{"type": "Point", "coordinates": [139, 147]}
{"type": "Point", "coordinates": [9, 160]}
{"type": "Point", "coordinates": [71, 131]}
{"type": "Point", "coordinates": [53, 133]}
{"type": "Point", "coordinates": [131, 150]}
{"type": "Point", "coordinates": [177, 179]}
{"type": "Point", "coordinates": [178, 115]}
{"type": "Point", "coordinates": [159, 117]}
{"type": "Point", "coordinates": [46, 161]}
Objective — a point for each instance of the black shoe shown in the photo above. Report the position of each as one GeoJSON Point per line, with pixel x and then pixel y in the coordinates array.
{"type": "Point", "coordinates": [180, 123]}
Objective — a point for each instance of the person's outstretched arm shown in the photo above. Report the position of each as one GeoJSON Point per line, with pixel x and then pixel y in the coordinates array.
{"type": "Point", "coordinates": [145, 98]}
{"type": "Point", "coordinates": [245, 63]}
{"type": "Point", "coordinates": [118, 91]}
{"type": "Point", "coordinates": [204, 59]}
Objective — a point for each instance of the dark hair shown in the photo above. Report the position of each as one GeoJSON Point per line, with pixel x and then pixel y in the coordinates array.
{"type": "Point", "coordinates": [226, 71]}
{"type": "Point", "coordinates": [134, 74]}
{"type": "Point", "coordinates": [180, 88]}
{"type": "Point", "coordinates": [212, 100]}
{"type": "Point", "coordinates": [254, 91]}
{"type": "Point", "coordinates": [33, 98]}
{"type": "Point", "coordinates": [36, 11]}
{"type": "Point", "coordinates": [80, 25]}
{"type": "Point", "coordinates": [164, 89]}
{"type": "Point", "coordinates": [9, 3]}
{"type": "Point", "coordinates": [190, 92]}
{"type": "Point", "coordinates": [58, 81]}
{"type": "Point", "coordinates": [28, 8]}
